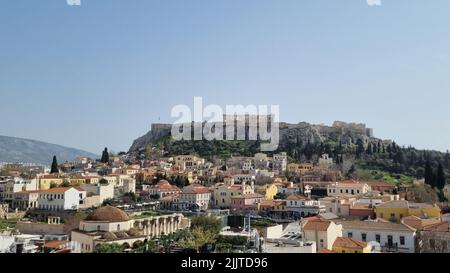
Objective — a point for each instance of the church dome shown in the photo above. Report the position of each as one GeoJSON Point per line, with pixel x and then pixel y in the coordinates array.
{"type": "Point", "coordinates": [108, 214]}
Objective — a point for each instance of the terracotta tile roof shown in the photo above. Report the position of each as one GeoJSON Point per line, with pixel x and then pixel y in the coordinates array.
{"type": "Point", "coordinates": [27, 192]}
{"type": "Point", "coordinates": [441, 227]}
{"type": "Point", "coordinates": [349, 243]}
{"type": "Point", "coordinates": [394, 204]}
{"type": "Point", "coordinates": [419, 223]}
{"type": "Point", "coordinates": [54, 244]}
{"type": "Point", "coordinates": [296, 197]}
{"type": "Point", "coordinates": [63, 251]}
{"type": "Point", "coordinates": [164, 185]}
{"type": "Point", "coordinates": [51, 176]}
{"type": "Point", "coordinates": [378, 225]}
{"type": "Point", "coordinates": [361, 207]}
{"type": "Point", "coordinates": [325, 251]}
{"type": "Point", "coordinates": [271, 203]}
{"type": "Point", "coordinates": [248, 196]}
{"type": "Point", "coordinates": [60, 190]}
{"type": "Point", "coordinates": [317, 223]}
{"type": "Point", "coordinates": [196, 190]}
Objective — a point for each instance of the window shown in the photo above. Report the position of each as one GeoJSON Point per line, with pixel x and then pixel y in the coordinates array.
{"type": "Point", "coordinates": [321, 243]}
{"type": "Point", "coordinates": [444, 246]}
{"type": "Point", "coordinates": [350, 235]}
{"type": "Point", "coordinates": [402, 240]}
{"type": "Point", "coordinates": [432, 244]}
{"type": "Point", "coordinates": [364, 237]}
{"type": "Point", "coordinates": [390, 240]}
{"type": "Point", "coordinates": [118, 227]}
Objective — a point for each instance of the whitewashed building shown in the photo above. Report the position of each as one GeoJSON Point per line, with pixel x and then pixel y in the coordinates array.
{"type": "Point", "coordinates": [393, 237]}
{"type": "Point", "coordinates": [60, 199]}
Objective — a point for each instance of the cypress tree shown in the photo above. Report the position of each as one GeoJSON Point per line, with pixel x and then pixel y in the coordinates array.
{"type": "Point", "coordinates": [447, 159]}
{"type": "Point", "coordinates": [105, 156]}
{"type": "Point", "coordinates": [54, 168]}
{"type": "Point", "coordinates": [429, 175]}
{"type": "Point", "coordinates": [360, 148]}
{"type": "Point", "coordinates": [369, 149]}
{"type": "Point", "coordinates": [440, 177]}
{"type": "Point", "coordinates": [394, 147]}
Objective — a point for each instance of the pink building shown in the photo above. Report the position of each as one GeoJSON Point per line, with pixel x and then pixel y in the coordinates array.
{"type": "Point", "coordinates": [246, 202]}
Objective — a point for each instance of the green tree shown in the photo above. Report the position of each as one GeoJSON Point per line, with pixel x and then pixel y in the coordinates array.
{"type": "Point", "coordinates": [360, 148]}
{"type": "Point", "coordinates": [148, 247]}
{"type": "Point", "coordinates": [351, 174]}
{"type": "Point", "coordinates": [207, 223]}
{"type": "Point", "coordinates": [54, 168]}
{"type": "Point", "coordinates": [369, 150]}
{"type": "Point", "coordinates": [108, 248]}
{"type": "Point", "coordinates": [447, 159]}
{"type": "Point", "coordinates": [103, 181]}
{"type": "Point", "coordinates": [280, 196]}
{"type": "Point", "coordinates": [198, 238]}
{"type": "Point", "coordinates": [108, 202]}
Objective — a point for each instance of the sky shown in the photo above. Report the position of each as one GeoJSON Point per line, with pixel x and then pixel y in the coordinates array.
{"type": "Point", "coordinates": [101, 73]}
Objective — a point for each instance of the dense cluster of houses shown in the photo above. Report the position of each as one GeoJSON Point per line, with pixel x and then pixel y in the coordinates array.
{"type": "Point", "coordinates": [325, 212]}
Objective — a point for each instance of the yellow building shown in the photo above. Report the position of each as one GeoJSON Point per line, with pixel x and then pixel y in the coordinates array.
{"type": "Point", "coordinates": [269, 191]}
{"type": "Point", "coordinates": [223, 193]}
{"type": "Point", "coordinates": [395, 211]}
{"type": "Point", "coordinates": [46, 181]}
{"type": "Point", "coordinates": [81, 180]}
{"type": "Point", "coordinates": [348, 245]}
{"type": "Point", "coordinates": [300, 168]}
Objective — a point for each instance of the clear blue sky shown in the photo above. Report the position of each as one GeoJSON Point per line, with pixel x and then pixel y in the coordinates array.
{"type": "Point", "coordinates": [99, 74]}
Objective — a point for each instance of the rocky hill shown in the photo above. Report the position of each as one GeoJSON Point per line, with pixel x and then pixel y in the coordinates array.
{"type": "Point", "coordinates": [347, 133]}
{"type": "Point", "coordinates": [31, 151]}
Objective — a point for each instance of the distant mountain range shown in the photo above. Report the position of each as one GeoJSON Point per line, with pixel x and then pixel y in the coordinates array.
{"type": "Point", "coordinates": [14, 149]}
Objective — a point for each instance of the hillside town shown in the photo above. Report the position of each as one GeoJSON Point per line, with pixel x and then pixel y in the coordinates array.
{"type": "Point", "coordinates": [184, 203]}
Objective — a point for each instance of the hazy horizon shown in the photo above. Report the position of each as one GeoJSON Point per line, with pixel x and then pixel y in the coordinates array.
{"type": "Point", "coordinates": [98, 75]}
